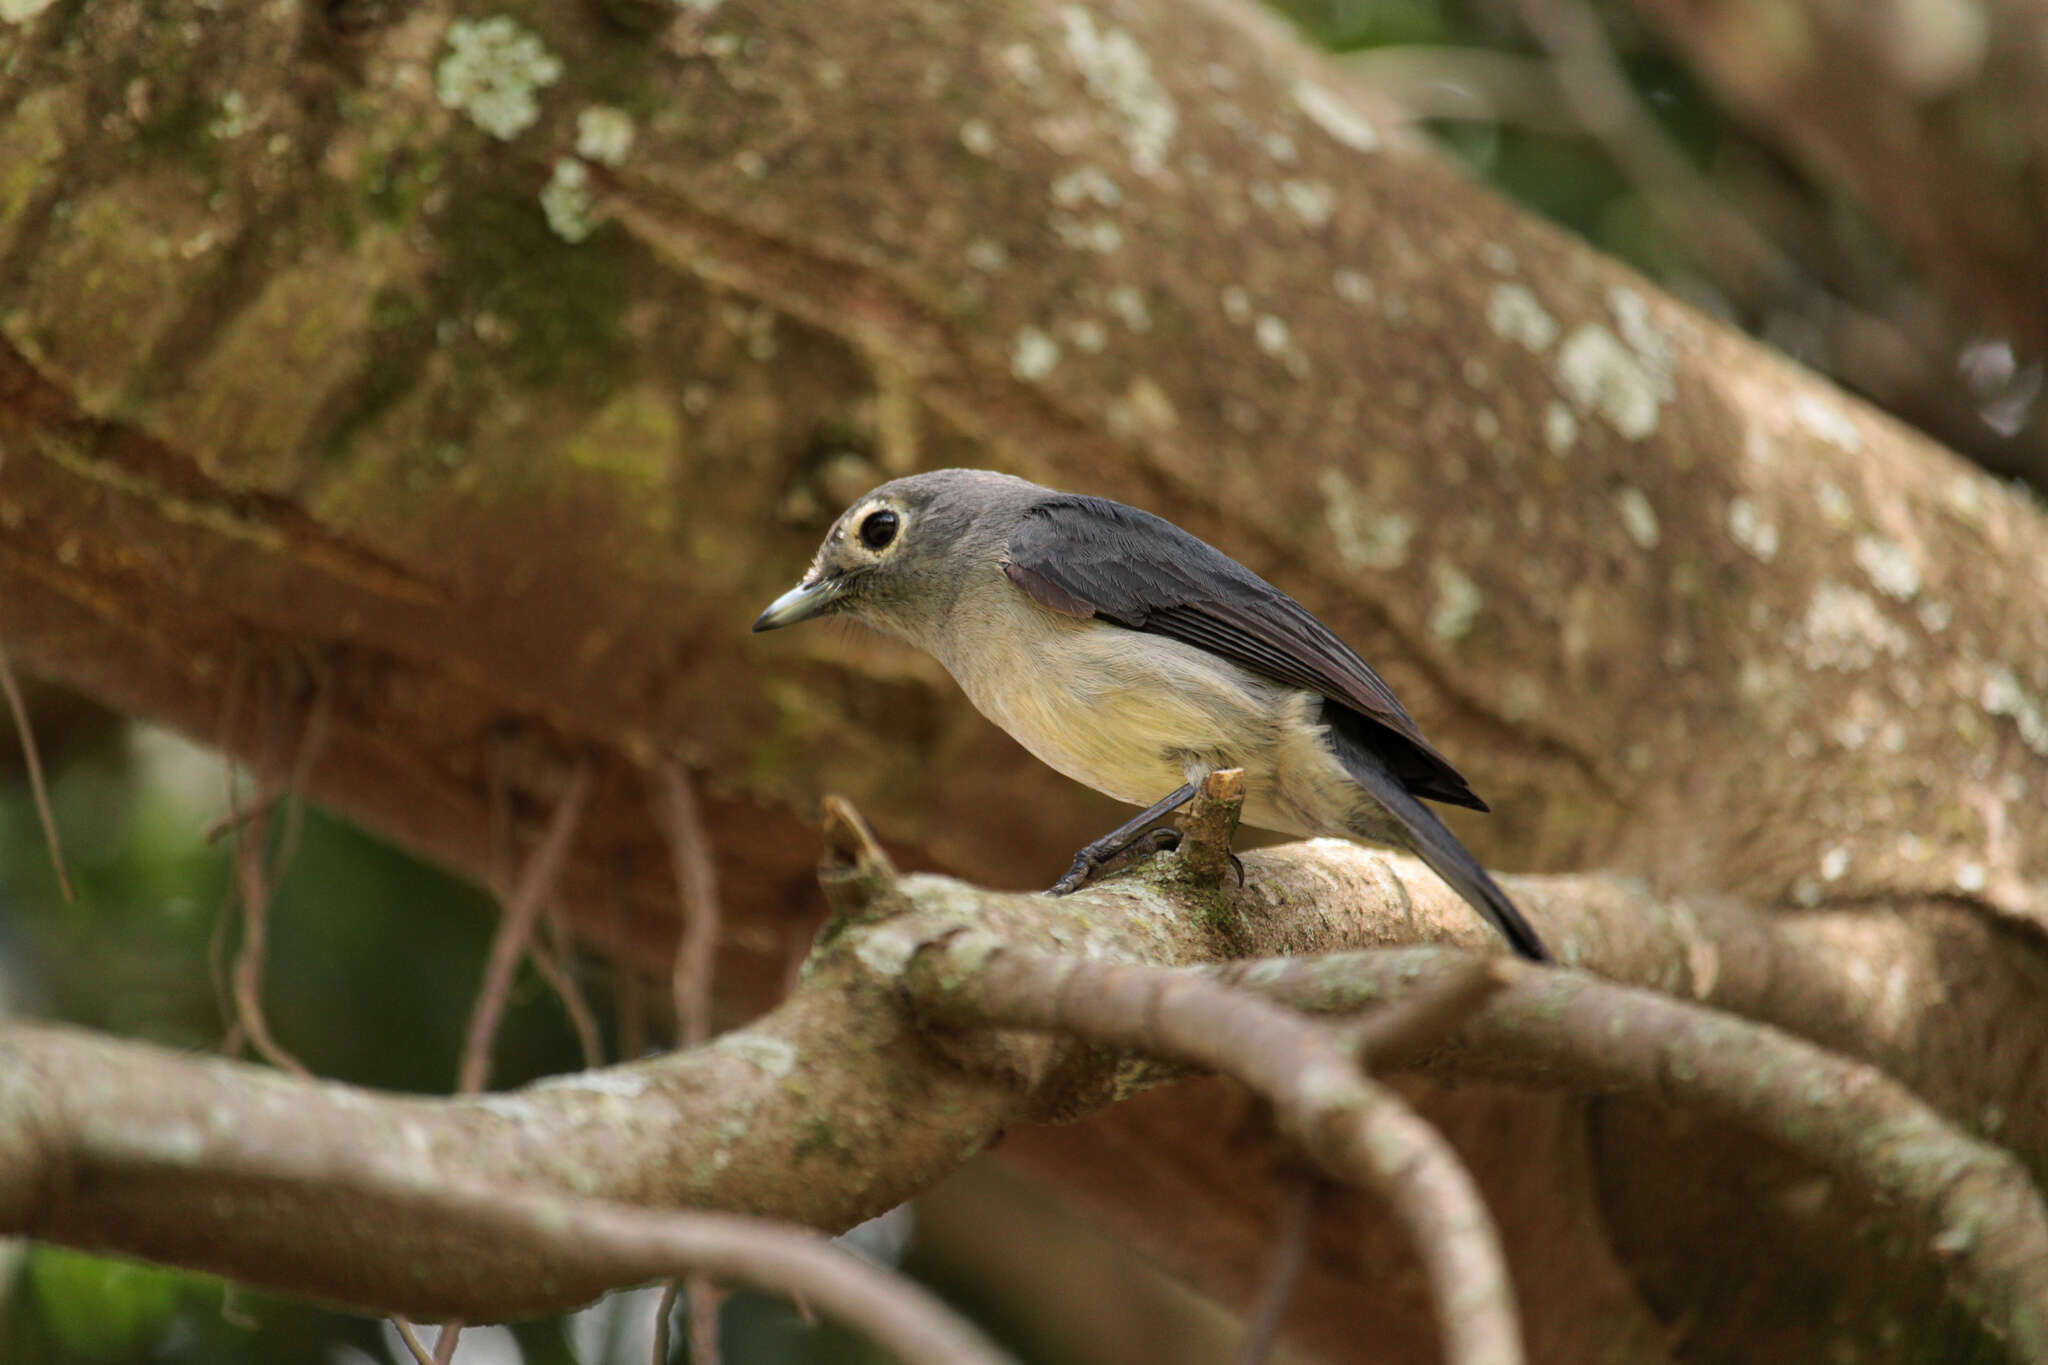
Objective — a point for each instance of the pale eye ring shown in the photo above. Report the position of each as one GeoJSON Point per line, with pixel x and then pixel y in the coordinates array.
{"type": "Point", "coordinates": [878, 528]}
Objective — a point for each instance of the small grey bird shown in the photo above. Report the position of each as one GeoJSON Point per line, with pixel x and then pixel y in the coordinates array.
{"type": "Point", "coordinates": [1135, 658]}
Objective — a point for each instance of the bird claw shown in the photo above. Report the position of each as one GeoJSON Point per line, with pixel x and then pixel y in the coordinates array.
{"type": "Point", "coordinates": [1090, 861]}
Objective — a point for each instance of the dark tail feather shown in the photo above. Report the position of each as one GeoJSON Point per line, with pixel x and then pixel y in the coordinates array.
{"type": "Point", "coordinates": [1432, 841]}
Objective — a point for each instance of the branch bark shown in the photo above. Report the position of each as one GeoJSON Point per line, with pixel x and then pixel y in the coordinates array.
{"type": "Point", "coordinates": [835, 1106]}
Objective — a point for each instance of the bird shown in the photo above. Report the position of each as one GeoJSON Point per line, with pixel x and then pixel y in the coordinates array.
{"type": "Point", "coordinates": [1136, 658]}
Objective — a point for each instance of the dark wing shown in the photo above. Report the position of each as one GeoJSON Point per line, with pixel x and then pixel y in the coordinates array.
{"type": "Point", "coordinates": [1085, 556]}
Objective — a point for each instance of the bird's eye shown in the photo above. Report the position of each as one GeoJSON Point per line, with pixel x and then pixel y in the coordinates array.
{"type": "Point", "coordinates": [877, 529]}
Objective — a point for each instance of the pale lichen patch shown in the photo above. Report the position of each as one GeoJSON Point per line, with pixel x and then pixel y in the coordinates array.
{"type": "Point", "coordinates": [978, 138]}
{"type": "Point", "coordinates": [1844, 629]}
{"type": "Point", "coordinates": [492, 71]}
{"type": "Point", "coordinates": [771, 1056]}
{"type": "Point", "coordinates": [604, 134]}
{"type": "Point", "coordinates": [1143, 410]}
{"type": "Point", "coordinates": [1824, 421]}
{"type": "Point", "coordinates": [1889, 566]}
{"type": "Point", "coordinates": [1271, 334]}
{"type": "Point", "coordinates": [2002, 695]}
{"type": "Point", "coordinates": [621, 1081]}
{"type": "Point", "coordinates": [1366, 538]}
{"type": "Point", "coordinates": [233, 119]}
{"type": "Point", "coordinates": [1119, 74]}
{"type": "Point", "coordinates": [1560, 428]}
{"type": "Point", "coordinates": [1312, 201]}
{"type": "Point", "coordinates": [1602, 376]}
{"type": "Point", "coordinates": [1127, 302]}
{"type": "Point", "coordinates": [1835, 507]}
{"type": "Point", "coordinates": [1033, 355]}
{"type": "Point", "coordinates": [1088, 335]}
{"type": "Point", "coordinates": [1512, 311]}
{"type": "Point", "coordinates": [1632, 319]}
{"type": "Point", "coordinates": [1021, 61]}
{"type": "Point", "coordinates": [1336, 117]}
{"type": "Point", "coordinates": [1754, 534]}
{"type": "Point", "coordinates": [1638, 517]}
{"type": "Point", "coordinates": [1084, 185]}
{"type": "Point", "coordinates": [567, 202]}
{"type": "Point", "coordinates": [987, 255]}
{"type": "Point", "coordinates": [1099, 235]}
{"type": "Point", "coordinates": [1352, 286]}
{"type": "Point", "coordinates": [1458, 601]}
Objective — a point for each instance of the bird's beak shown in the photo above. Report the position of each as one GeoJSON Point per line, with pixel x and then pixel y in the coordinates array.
{"type": "Point", "coordinates": [801, 603]}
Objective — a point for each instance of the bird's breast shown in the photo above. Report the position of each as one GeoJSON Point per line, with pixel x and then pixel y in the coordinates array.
{"type": "Point", "coordinates": [1127, 713]}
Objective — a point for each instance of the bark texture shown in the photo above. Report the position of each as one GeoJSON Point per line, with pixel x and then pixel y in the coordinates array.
{"type": "Point", "coordinates": [478, 376]}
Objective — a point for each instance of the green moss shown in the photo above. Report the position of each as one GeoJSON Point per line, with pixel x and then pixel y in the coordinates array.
{"type": "Point", "coordinates": [402, 335]}
{"type": "Point", "coordinates": [632, 438]}
{"type": "Point", "coordinates": [819, 1137]}
{"type": "Point", "coordinates": [563, 302]}
{"type": "Point", "coordinates": [31, 144]}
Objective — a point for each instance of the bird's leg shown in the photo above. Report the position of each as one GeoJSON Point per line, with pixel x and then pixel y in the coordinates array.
{"type": "Point", "coordinates": [1090, 860]}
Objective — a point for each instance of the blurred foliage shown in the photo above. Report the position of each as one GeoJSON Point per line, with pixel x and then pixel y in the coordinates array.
{"type": "Point", "coordinates": [1568, 178]}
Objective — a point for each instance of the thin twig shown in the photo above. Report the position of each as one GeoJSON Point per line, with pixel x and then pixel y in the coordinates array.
{"type": "Point", "coordinates": [555, 963]}
{"type": "Point", "coordinates": [253, 886]}
{"type": "Point", "coordinates": [407, 1334]}
{"type": "Point", "coordinates": [32, 759]}
{"type": "Point", "coordinates": [1355, 1129]}
{"type": "Point", "coordinates": [1467, 83]}
{"type": "Point", "coordinates": [515, 930]}
{"type": "Point", "coordinates": [446, 1342]}
{"type": "Point", "coordinates": [664, 1313]}
{"type": "Point", "coordinates": [1591, 81]}
{"type": "Point", "coordinates": [1290, 1257]}
{"type": "Point", "coordinates": [691, 981]}
{"type": "Point", "coordinates": [705, 1297]}
{"type": "Point", "coordinates": [312, 743]}
{"type": "Point", "coordinates": [1435, 1009]}
{"type": "Point", "coordinates": [696, 873]}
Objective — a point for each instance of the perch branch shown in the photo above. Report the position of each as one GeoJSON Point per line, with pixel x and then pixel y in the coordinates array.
{"type": "Point", "coordinates": [1845, 1117]}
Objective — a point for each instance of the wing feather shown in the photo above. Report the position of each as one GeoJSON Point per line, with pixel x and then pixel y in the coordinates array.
{"type": "Point", "coordinates": [1084, 556]}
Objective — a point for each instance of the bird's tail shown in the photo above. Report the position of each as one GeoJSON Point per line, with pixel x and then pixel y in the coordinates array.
{"type": "Point", "coordinates": [1432, 841]}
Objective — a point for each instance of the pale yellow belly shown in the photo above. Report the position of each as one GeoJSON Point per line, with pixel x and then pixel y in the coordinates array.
{"type": "Point", "coordinates": [1135, 716]}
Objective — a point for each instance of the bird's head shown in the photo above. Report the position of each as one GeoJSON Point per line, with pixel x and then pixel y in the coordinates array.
{"type": "Point", "coordinates": [896, 559]}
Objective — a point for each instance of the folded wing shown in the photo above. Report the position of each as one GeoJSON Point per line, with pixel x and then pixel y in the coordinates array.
{"type": "Point", "coordinates": [1090, 557]}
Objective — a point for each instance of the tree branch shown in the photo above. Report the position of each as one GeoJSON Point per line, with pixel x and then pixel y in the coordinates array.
{"type": "Point", "coordinates": [1985, 1217]}
{"type": "Point", "coordinates": [1356, 1129]}
{"type": "Point", "coordinates": [830, 1109]}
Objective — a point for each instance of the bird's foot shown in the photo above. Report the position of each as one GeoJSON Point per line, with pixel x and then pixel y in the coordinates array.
{"type": "Point", "coordinates": [1091, 861]}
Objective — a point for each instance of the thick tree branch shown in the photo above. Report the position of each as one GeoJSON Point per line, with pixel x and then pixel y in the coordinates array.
{"type": "Point", "coordinates": [585, 1240]}
{"type": "Point", "coordinates": [826, 1111]}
